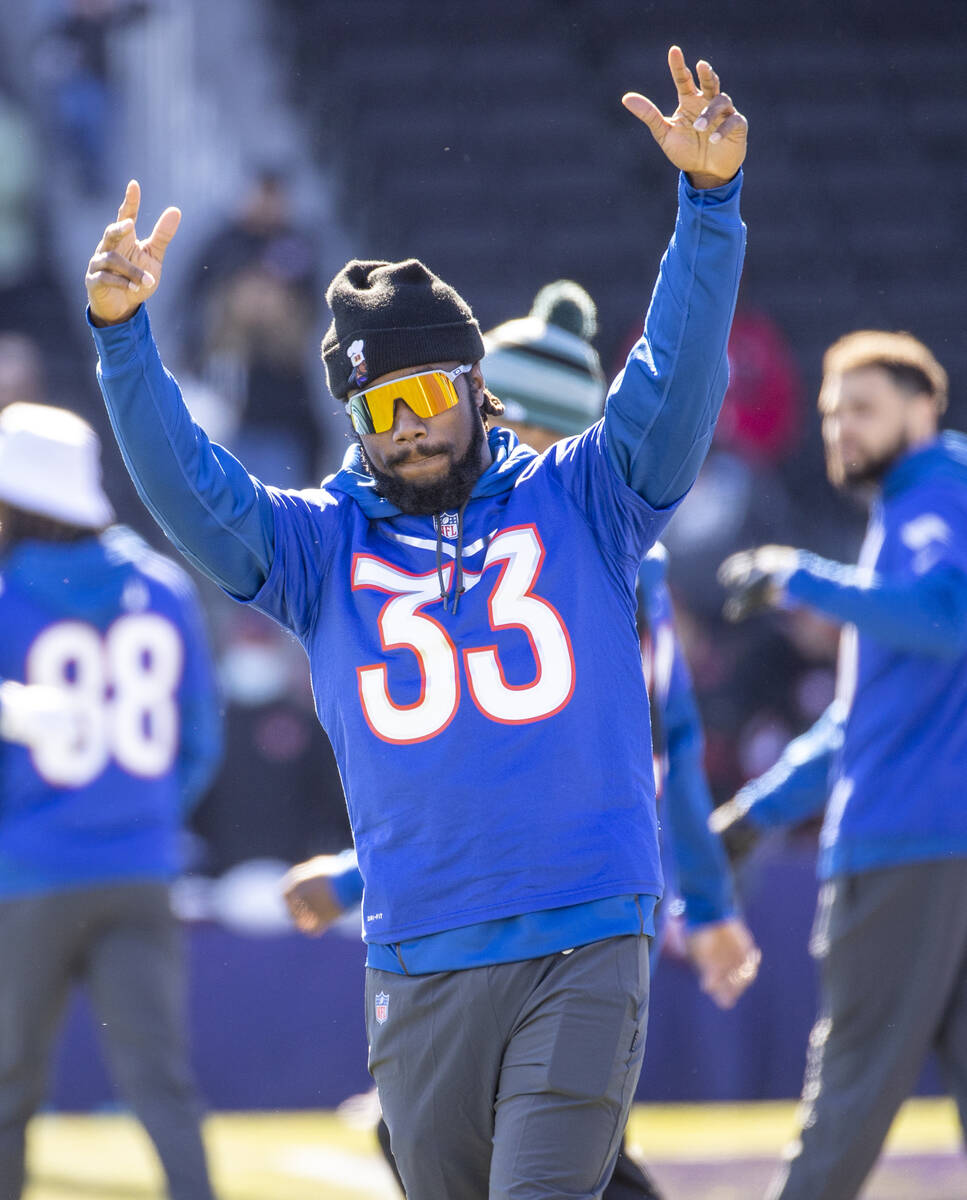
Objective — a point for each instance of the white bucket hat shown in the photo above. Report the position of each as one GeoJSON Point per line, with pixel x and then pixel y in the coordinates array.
{"type": "Point", "coordinates": [50, 464]}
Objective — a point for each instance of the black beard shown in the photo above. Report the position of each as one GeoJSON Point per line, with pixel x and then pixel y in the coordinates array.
{"type": "Point", "coordinates": [425, 499]}
{"type": "Point", "coordinates": [871, 476]}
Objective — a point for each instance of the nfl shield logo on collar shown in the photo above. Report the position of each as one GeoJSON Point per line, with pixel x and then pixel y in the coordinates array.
{"type": "Point", "coordinates": [447, 524]}
{"type": "Point", "coordinates": [382, 1007]}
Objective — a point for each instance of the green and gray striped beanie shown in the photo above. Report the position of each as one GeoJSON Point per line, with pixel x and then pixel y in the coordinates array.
{"type": "Point", "coordinates": [543, 366]}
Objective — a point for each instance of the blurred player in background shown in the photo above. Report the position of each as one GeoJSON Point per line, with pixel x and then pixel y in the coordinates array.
{"type": "Point", "coordinates": [489, 717]}
{"type": "Point", "coordinates": [548, 377]}
{"type": "Point", "coordinates": [109, 730]}
{"type": "Point", "coordinates": [888, 760]}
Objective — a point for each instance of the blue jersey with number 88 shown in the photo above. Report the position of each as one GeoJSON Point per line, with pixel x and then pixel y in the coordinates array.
{"type": "Point", "coordinates": [118, 630]}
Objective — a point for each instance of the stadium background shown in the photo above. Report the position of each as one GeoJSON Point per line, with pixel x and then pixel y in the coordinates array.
{"type": "Point", "coordinates": [487, 139]}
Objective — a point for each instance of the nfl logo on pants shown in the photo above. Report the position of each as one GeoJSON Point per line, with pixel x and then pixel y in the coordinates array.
{"type": "Point", "coordinates": [382, 1007]}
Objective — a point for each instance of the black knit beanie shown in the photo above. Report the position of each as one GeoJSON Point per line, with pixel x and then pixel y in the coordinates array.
{"type": "Point", "coordinates": [387, 316]}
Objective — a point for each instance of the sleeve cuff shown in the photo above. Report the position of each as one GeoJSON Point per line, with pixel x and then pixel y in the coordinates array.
{"type": "Point", "coordinates": [706, 916]}
{"type": "Point", "coordinates": [117, 344]}
{"type": "Point", "coordinates": [347, 886]}
{"type": "Point", "coordinates": [725, 195]}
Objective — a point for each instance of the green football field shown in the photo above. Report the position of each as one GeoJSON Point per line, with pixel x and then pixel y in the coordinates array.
{"type": "Point", "coordinates": [699, 1152]}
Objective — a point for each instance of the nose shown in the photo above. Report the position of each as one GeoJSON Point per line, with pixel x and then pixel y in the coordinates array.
{"type": "Point", "coordinates": [407, 426]}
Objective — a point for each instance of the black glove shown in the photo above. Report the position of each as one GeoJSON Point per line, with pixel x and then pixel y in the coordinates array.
{"type": "Point", "coordinates": [754, 580]}
{"type": "Point", "coordinates": [739, 836]}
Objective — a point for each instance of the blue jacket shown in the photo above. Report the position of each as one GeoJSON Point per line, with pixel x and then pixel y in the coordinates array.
{"type": "Point", "coordinates": [119, 625]}
{"type": "Point", "coordinates": [487, 825]}
{"type": "Point", "coordinates": [891, 752]}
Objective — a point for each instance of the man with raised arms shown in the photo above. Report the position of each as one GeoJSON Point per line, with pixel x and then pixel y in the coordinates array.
{"type": "Point", "coordinates": [468, 610]}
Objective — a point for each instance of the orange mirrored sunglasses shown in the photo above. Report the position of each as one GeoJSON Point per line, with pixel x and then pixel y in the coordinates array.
{"type": "Point", "coordinates": [427, 394]}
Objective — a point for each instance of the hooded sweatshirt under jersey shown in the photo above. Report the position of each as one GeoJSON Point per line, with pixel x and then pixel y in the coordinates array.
{"type": "Point", "coordinates": [120, 628]}
{"type": "Point", "coordinates": [891, 752]}
{"type": "Point", "coordinates": [490, 742]}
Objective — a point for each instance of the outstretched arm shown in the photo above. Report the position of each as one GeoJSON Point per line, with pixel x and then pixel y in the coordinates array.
{"type": "Point", "coordinates": [662, 408]}
{"type": "Point", "coordinates": [796, 787]}
{"type": "Point", "coordinates": [927, 615]}
{"type": "Point", "coordinates": [203, 498]}
{"type": "Point", "coordinates": [924, 614]}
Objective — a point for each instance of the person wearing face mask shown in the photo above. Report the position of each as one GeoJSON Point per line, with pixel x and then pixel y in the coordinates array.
{"type": "Point", "coordinates": [274, 747]}
{"type": "Point", "coordinates": [887, 761]}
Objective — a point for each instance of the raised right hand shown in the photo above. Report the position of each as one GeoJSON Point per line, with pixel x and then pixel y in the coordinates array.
{"type": "Point", "coordinates": [705, 136]}
{"type": "Point", "coordinates": [123, 271]}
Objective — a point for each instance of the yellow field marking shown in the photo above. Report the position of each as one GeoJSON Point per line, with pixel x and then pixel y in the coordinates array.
{"type": "Point", "coordinates": [923, 1126]}
{"type": "Point", "coordinates": [304, 1155]}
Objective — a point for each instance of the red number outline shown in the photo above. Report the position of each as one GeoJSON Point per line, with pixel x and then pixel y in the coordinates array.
{"type": "Point", "coordinates": [381, 668]}
{"type": "Point", "coordinates": [505, 559]}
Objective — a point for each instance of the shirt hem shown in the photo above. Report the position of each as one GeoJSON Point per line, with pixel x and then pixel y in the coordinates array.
{"type": "Point", "coordinates": [856, 859]}
{"type": "Point", "coordinates": [521, 908]}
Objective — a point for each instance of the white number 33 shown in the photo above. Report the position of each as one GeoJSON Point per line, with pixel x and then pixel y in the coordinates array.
{"type": "Point", "coordinates": [512, 605]}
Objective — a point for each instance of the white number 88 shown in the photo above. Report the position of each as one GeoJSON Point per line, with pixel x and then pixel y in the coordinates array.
{"type": "Point", "coordinates": [123, 686]}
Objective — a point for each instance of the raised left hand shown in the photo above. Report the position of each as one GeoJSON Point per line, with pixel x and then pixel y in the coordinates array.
{"type": "Point", "coordinates": [706, 137]}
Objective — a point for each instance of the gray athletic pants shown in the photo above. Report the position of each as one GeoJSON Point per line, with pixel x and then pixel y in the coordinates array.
{"type": "Point", "coordinates": [892, 948]}
{"type": "Point", "coordinates": [123, 943]}
{"type": "Point", "coordinates": [510, 1082]}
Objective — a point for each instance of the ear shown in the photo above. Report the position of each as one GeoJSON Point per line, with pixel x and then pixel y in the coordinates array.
{"type": "Point", "coordinates": [476, 385]}
{"type": "Point", "coordinates": [925, 418]}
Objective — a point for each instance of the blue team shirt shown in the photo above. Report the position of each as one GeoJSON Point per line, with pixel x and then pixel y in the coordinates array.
{"type": "Point", "coordinates": [694, 863]}
{"type": "Point", "coordinates": [119, 627]}
{"type": "Point", "coordinates": [492, 756]}
{"type": "Point", "coordinates": [889, 758]}
{"type": "Point", "coordinates": [482, 731]}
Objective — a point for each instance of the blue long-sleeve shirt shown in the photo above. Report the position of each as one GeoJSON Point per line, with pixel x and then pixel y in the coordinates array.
{"type": "Point", "coordinates": [891, 753]}
{"type": "Point", "coordinates": [543, 843]}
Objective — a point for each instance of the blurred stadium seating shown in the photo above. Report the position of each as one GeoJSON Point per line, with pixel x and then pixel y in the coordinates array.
{"type": "Point", "coordinates": [487, 138]}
